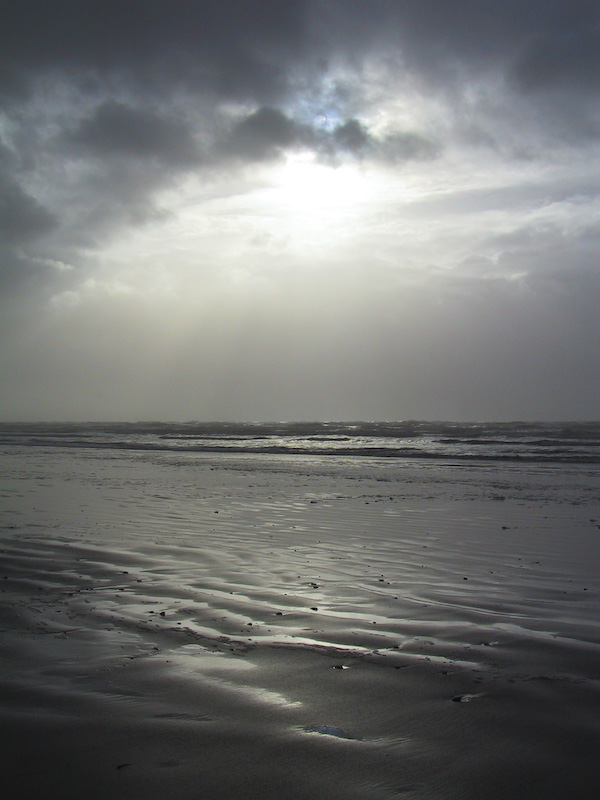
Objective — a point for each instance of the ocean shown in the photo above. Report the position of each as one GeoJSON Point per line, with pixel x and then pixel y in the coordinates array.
{"type": "Point", "coordinates": [554, 442]}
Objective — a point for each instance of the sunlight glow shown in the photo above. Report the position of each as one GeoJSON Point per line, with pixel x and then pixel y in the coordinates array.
{"type": "Point", "coordinates": [310, 196]}
{"type": "Point", "coordinates": [303, 184]}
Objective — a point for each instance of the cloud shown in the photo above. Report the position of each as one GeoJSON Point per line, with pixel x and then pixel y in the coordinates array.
{"type": "Point", "coordinates": [268, 133]}
{"type": "Point", "coordinates": [565, 59]}
{"type": "Point", "coordinates": [22, 218]}
{"type": "Point", "coordinates": [351, 136]}
{"type": "Point", "coordinates": [231, 48]}
{"type": "Point", "coordinates": [432, 36]}
{"type": "Point", "coordinates": [116, 129]}
{"type": "Point", "coordinates": [288, 208]}
{"type": "Point", "coordinates": [263, 134]}
{"type": "Point", "coordinates": [399, 146]}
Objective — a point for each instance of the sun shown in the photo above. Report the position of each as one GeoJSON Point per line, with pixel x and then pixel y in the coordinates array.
{"type": "Point", "coordinates": [309, 197]}
{"type": "Point", "coordinates": [305, 184]}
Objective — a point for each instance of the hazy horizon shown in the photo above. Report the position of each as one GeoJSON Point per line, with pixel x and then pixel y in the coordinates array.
{"type": "Point", "coordinates": [308, 210]}
{"type": "Point", "coordinates": [83, 421]}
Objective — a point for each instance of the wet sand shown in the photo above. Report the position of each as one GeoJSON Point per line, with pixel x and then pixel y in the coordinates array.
{"type": "Point", "coordinates": [200, 626]}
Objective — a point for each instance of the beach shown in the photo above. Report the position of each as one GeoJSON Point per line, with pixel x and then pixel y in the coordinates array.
{"type": "Point", "coordinates": [219, 625]}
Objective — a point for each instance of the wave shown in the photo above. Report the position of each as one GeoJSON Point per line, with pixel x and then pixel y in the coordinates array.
{"type": "Point", "coordinates": [409, 440]}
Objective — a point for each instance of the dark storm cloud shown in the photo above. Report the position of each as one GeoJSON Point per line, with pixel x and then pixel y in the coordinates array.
{"type": "Point", "coordinates": [263, 134]}
{"type": "Point", "coordinates": [252, 50]}
{"type": "Point", "coordinates": [569, 59]}
{"type": "Point", "coordinates": [108, 167]}
{"type": "Point", "coordinates": [269, 54]}
{"type": "Point", "coordinates": [230, 47]}
{"type": "Point", "coordinates": [352, 136]}
{"type": "Point", "coordinates": [118, 129]}
{"type": "Point", "coordinates": [434, 33]}
{"type": "Point", "coordinates": [266, 133]}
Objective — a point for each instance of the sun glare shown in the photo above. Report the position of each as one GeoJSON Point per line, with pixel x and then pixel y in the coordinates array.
{"type": "Point", "coordinates": [307, 195]}
{"type": "Point", "coordinates": [304, 183]}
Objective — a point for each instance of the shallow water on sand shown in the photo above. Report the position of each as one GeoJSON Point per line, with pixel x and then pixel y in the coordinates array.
{"type": "Point", "coordinates": [297, 627]}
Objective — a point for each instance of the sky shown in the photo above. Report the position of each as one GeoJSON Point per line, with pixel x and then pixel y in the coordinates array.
{"type": "Point", "coordinates": [300, 210]}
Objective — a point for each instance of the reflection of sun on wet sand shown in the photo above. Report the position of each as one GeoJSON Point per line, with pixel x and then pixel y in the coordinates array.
{"type": "Point", "coordinates": [335, 630]}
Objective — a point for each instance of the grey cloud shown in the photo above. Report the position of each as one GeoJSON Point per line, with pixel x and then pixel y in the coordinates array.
{"type": "Point", "coordinates": [537, 61]}
{"type": "Point", "coordinates": [262, 50]}
{"type": "Point", "coordinates": [113, 196]}
{"type": "Point", "coordinates": [262, 134]}
{"type": "Point", "coordinates": [7, 157]}
{"type": "Point", "coordinates": [407, 146]}
{"type": "Point", "coordinates": [273, 54]}
{"type": "Point", "coordinates": [118, 129]}
{"type": "Point", "coordinates": [268, 132]}
{"type": "Point", "coordinates": [435, 33]}
{"type": "Point", "coordinates": [232, 47]}
{"type": "Point", "coordinates": [352, 136]}
{"type": "Point", "coordinates": [21, 216]}
{"type": "Point", "coordinates": [14, 272]}
{"type": "Point", "coordinates": [112, 163]}
{"type": "Point", "coordinates": [570, 58]}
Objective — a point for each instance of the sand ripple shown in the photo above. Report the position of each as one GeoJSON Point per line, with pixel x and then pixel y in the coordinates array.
{"type": "Point", "coordinates": [296, 613]}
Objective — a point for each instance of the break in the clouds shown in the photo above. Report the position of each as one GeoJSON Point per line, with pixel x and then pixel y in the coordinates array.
{"type": "Point", "coordinates": [310, 209]}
